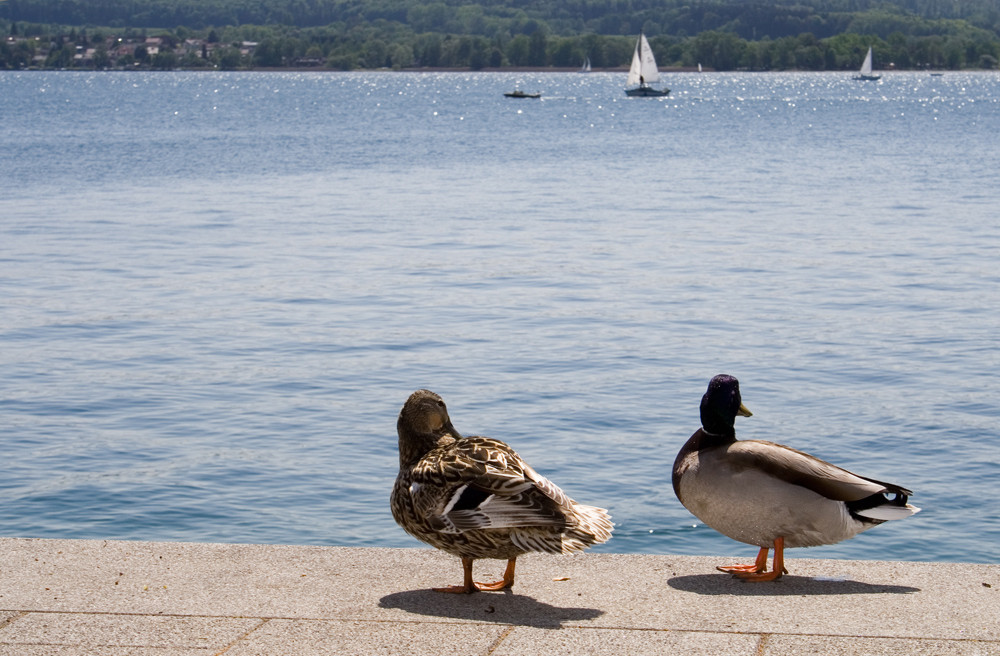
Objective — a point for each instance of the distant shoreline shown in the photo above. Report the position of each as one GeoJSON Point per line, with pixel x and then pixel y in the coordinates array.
{"type": "Point", "coordinates": [506, 69]}
{"type": "Point", "coordinates": [320, 69]}
{"type": "Point", "coordinates": [524, 69]}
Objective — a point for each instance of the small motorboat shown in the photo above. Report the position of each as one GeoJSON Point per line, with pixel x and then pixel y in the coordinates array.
{"type": "Point", "coordinates": [517, 93]}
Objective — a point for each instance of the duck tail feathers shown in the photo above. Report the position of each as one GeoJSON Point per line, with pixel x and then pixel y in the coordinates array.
{"type": "Point", "coordinates": [585, 526]}
{"type": "Point", "coordinates": [592, 526]}
{"type": "Point", "coordinates": [885, 506]}
{"type": "Point", "coordinates": [888, 512]}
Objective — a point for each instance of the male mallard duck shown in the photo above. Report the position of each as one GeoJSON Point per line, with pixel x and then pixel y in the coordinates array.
{"type": "Point", "coordinates": [767, 494]}
{"type": "Point", "coordinates": [474, 497]}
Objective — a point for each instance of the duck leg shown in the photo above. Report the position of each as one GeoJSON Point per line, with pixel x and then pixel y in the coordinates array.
{"type": "Point", "coordinates": [469, 586]}
{"type": "Point", "coordinates": [777, 566]}
{"type": "Point", "coordinates": [759, 565]}
{"type": "Point", "coordinates": [508, 578]}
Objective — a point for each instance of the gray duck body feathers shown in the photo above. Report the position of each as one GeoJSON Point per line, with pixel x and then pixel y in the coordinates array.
{"type": "Point", "coordinates": [756, 492]}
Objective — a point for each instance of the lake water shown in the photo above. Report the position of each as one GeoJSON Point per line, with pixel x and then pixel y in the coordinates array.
{"type": "Point", "coordinates": [217, 290]}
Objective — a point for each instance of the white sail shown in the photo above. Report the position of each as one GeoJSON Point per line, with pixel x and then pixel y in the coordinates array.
{"type": "Point", "coordinates": [586, 65]}
{"type": "Point", "coordinates": [643, 68]}
{"type": "Point", "coordinates": [866, 68]}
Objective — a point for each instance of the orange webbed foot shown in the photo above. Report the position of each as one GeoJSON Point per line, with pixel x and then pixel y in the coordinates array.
{"type": "Point", "coordinates": [470, 586]}
{"type": "Point", "coordinates": [758, 566]}
{"type": "Point", "coordinates": [773, 575]}
{"type": "Point", "coordinates": [457, 589]}
{"type": "Point", "coordinates": [737, 569]}
{"type": "Point", "coordinates": [491, 587]}
{"type": "Point", "coordinates": [507, 582]}
{"type": "Point", "coordinates": [758, 571]}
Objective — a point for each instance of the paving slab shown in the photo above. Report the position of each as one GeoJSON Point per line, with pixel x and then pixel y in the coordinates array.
{"type": "Point", "coordinates": [93, 630]}
{"type": "Point", "coordinates": [321, 637]}
{"type": "Point", "coordinates": [786, 645]}
{"type": "Point", "coordinates": [100, 597]}
{"type": "Point", "coordinates": [528, 640]}
{"type": "Point", "coordinates": [72, 650]}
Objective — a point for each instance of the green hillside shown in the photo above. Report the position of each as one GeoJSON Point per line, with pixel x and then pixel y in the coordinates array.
{"type": "Point", "coordinates": [720, 34]}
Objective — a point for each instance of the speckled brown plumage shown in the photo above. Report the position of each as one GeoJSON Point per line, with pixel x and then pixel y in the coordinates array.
{"type": "Point", "coordinates": [474, 497]}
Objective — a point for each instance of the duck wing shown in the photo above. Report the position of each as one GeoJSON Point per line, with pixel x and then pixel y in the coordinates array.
{"type": "Point", "coordinates": [479, 483]}
{"type": "Point", "coordinates": [864, 496]}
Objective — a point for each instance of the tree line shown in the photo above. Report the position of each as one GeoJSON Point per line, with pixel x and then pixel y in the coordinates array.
{"type": "Point", "coordinates": [398, 34]}
{"type": "Point", "coordinates": [489, 18]}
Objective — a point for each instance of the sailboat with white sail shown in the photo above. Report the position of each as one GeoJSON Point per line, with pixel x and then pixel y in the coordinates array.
{"type": "Point", "coordinates": [866, 68]}
{"type": "Point", "coordinates": [586, 65]}
{"type": "Point", "coordinates": [643, 71]}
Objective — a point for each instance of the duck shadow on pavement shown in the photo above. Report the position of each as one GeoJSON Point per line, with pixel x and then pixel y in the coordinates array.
{"type": "Point", "coordinates": [503, 608]}
{"type": "Point", "coordinates": [726, 584]}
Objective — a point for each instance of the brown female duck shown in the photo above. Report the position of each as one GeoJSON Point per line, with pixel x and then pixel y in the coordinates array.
{"type": "Point", "coordinates": [474, 497]}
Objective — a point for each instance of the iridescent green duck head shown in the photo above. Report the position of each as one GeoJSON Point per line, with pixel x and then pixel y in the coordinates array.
{"type": "Point", "coordinates": [721, 404]}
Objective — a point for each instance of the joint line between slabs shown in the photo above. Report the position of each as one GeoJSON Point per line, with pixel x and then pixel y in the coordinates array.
{"type": "Point", "coordinates": [762, 644]}
{"type": "Point", "coordinates": [7, 622]}
{"type": "Point", "coordinates": [243, 637]}
{"type": "Point", "coordinates": [499, 641]}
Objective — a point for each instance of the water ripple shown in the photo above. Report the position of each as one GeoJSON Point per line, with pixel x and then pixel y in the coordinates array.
{"type": "Point", "coordinates": [213, 314]}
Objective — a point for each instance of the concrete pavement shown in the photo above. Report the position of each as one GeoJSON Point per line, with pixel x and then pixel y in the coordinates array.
{"type": "Point", "coordinates": [111, 598]}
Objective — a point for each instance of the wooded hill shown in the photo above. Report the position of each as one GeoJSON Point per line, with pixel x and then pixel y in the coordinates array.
{"type": "Point", "coordinates": [750, 20]}
{"type": "Point", "coordinates": [723, 34]}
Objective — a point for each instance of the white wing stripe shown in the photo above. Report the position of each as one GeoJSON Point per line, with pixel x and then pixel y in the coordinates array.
{"type": "Point", "coordinates": [456, 495]}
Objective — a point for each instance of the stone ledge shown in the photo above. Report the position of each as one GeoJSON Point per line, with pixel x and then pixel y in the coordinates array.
{"type": "Point", "coordinates": [104, 598]}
